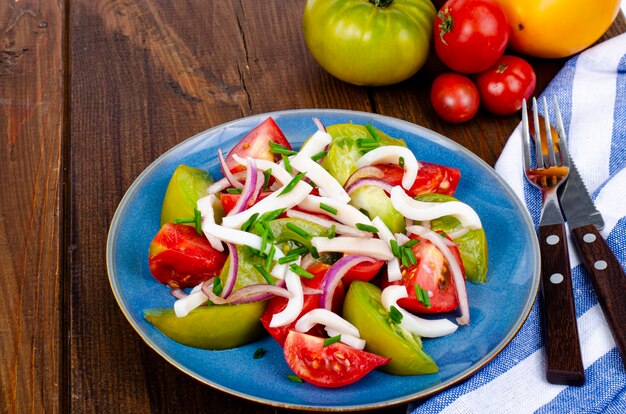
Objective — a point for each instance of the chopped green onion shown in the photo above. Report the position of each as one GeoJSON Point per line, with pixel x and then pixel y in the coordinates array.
{"type": "Point", "coordinates": [197, 216]}
{"type": "Point", "coordinates": [264, 234]}
{"type": "Point", "coordinates": [266, 275]}
{"type": "Point", "coordinates": [411, 243]}
{"type": "Point", "coordinates": [314, 252]}
{"type": "Point", "coordinates": [252, 250]}
{"type": "Point", "coordinates": [184, 220]}
{"type": "Point", "coordinates": [259, 353]}
{"type": "Point", "coordinates": [372, 132]}
{"type": "Point", "coordinates": [366, 227]}
{"type": "Point", "coordinates": [367, 143]}
{"type": "Point", "coordinates": [270, 256]}
{"type": "Point", "coordinates": [394, 248]}
{"type": "Point", "coordinates": [233, 190]}
{"type": "Point", "coordinates": [333, 232]}
{"type": "Point", "coordinates": [217, 286]}
{"type": "Point", "coordinates": [443, 234]}
{"type": "Point", "coordinates": [292, 183]}
{"type": "Point", "coordinates": [294, 378]}
{"type": "Point", "coordinates": [330, 209]}
{"type": "Point", "coordinates": [289, 258]}
{"type": "Point", "coordinates": [426, 299]}
{"type": "Point", "coordinates": [403, 258]}
{"type": "Point", "coordinates": [287, 164]}
{"type": "Point", "coordinates": [332, 340]}
{"type": "Point", "coordinates": [401, 162]}
{"type": "Point", "coordinates": [271, 215]}
{"type": "Point", "coordinates": [409, 254]}
{"type": "Point", "coordinates": [299, 231]}
{"type": "Point", "coordinates": [248, 223]}
{"type": "Point", "coordinates": [299, 251]}
{"type": "Point", "coordinates": [280, 149]}
{"type": "Point", "coordinates": [266, 174]}
{"type": "Point", "coordinates": [422, 296]}
{"type": "Point", "coordinates": [300, 271]}
{"type": "Point", "coordinates": [319, 156]}
{"type": "Point", "coordinates": [395, 314]}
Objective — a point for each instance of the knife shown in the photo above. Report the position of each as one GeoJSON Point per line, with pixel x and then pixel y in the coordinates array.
{"type": "Point", "coordinates": [607, 274]}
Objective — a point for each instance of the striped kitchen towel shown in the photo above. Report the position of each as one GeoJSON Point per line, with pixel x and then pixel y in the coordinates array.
{"type": "Point", "coordinates": [591, 90]}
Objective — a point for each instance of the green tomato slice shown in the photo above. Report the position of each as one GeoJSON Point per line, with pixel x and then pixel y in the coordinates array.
{"type": "Point", "coordinates": [211, 327]}
{"type": "Point", "coordinates": [472, 245]}
{"type": "Point", "coordinates": [185, 188]}
{"type": "Point", "coordinates": [362, 307]}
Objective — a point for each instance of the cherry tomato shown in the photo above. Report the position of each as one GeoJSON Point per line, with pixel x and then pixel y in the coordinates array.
{"type": "Point", "coordinates": [363, 271]}
{"type": "Point", "coordinates": [256, 144]}
{"type": "Point", "coordinates": [329, 366]}
{"type": "Point", "coordinates": [470, 35]}
{"type": "Point", "coordinates": [179, 257]}
{"type": "Point", "coordinates": [454, 97]}
{"type": "Point", "coordinates": [431, 178]}
{"type": "Point", "coordinates": [277, 304]}
{"type": "Point", "coordinates": [503, 86]}
{"type": "Point", "coordinates": [431, 272]}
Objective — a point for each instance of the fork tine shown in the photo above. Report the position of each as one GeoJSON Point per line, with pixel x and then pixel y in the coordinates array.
{"type": "Point", "coordinates": [526, 137]}
{"type": "Point", "coordinates": [561, 130]}
{"type": "Point", "coordinates": [546, 119]}
{"type": "Point", "coordinates": [538, 151]}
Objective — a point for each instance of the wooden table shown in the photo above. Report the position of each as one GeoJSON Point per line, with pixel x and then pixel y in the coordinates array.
{"type": "Point", "coordinates": [91, 92]}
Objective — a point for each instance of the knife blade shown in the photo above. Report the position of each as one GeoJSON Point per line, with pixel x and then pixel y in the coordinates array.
{"type": "Point", "coordinates": [607, 274]}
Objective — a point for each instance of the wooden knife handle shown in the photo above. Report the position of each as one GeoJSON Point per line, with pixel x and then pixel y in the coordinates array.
{"type": "Point", "coordinates": [609, 281]}
{"type": "Point", "coordinates": [562, 346]}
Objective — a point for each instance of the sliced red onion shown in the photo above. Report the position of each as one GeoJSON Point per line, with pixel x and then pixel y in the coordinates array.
{"type": "Point", "coordinates": [247, 294]}
{"type": "Point", "coordinates": [369, 171]}
{"type": "Point", "coordinates": [223, 184]}
{"type": "Point", "coordinates": [231, 278]}
{"type": "Point", "coordinates": [227, 174]}
{"type": "Point", "coordinates": [319, 124]}
{"type": "Point", "coordinates": [178, 293]}
{"type": "Point", "coordinates": [334, 275]}
{"type": "Point", "coordinates": [368, 181]}
{"type": "Point", "coordinates": [310, 291]}
{"type": "Point", "coordinates": [455, 269]}
{"type": "Point", "coordinates": [339, 227]}
{"type": "Point", "coordinates": [250, 190]}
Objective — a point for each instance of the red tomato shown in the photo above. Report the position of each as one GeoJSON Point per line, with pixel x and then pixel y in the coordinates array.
{"type": "Point", "coordinates": [311, 302]}
{"type": "Point", "coordinates": [470, 35]}
{"type": "Point", "coordinates": [255, 144]}
{"type": "Point", "coordinates": [454, 97]}
{"type": "Point", "coordinates": [431, 273]}
{"type": "Point", "coordinates": [363, 271]}
{"type": "Point", "coordinates": [431, 178]}
{"type": "Point", "coordinates": [179, 257]}
{"type": "Point", "coordinates": [503, 86]}
{"type": "Point", "coordinates": [329, 366]}
{"type": "Point", "coordinates": [229, 200]}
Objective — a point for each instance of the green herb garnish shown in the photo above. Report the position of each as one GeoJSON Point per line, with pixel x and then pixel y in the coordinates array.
{"type": "Point", "coordinates": [266, 180]}
{"type": "Point", "coordinates": [266, 275]}
{"type": "Point", "coordinates": [319, 156]}
{"type": "Point", "coordinates": [333, 232]}
{"type": "Point", "coordinates": [292, 183]}
{"type": "Point", "coordinates": [233, 190]}
{"type": "Point", "coordinates": [289, 258]}
{"type": "Point", "coordinates": [280, 149]}
{"type": "Point", "coordinates": [217, 286]}
{"type": "Point", "coordinates": [300, 271]}
{"type": "Point", "coordinates": [395, 314]}
{"type": "Point", "coordinates": [395, 249]}
{"type": "Point", "coordinates": [294, 378]}
{"type": "Point", "coordinates": [372, 132]}
{"type": "Point", "coordinates": [299, 231]}
{"type": "Point", "coordinates": [259, 353]}
{"type": "Point", "coordinates": [401, 162]}
{"type": "Point", "coordinates": [287, 164]}
{"type": "Point", "coordinates": [330, 209]}
{"type": "Point", "coordinates": [366, 227]}
{"type": "Point", "coordinates": [248, 223]}
{"type": "Point", "coordinates": [332, 340]}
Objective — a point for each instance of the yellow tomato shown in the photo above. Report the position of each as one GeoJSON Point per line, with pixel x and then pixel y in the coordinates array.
{"type": "Point", "coordinates": [557, 28]}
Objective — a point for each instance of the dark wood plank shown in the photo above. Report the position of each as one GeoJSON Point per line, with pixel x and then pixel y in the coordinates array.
{"type": "Point", "coordinates": [31, 134]}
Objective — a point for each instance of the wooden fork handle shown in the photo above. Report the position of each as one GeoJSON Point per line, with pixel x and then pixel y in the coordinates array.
{"type": "Point", "coordinates": [609, 281]}
{"type": "Point", "coordinates": [562, 346]}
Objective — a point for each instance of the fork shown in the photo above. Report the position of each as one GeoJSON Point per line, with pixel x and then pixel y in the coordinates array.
{"type": "Point", "coordinates": [549, 171]}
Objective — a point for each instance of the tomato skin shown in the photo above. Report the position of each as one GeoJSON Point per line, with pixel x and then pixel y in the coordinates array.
{"type": "Point", "coordinates": [431, 178]}
{"type": "Point", "coordinates": [229, 200]}
{"type": "Point", "coordinates": [331, 366]}
{"type": "Point", "coordinates": [557, 28]}
{"type": "Point", "coordinates": [503, 86]}
{"type": "Point", "coordinates": [363, 271]}
{"type": "Point", "coordinates": [179, 257]}
{"type": "Point", "coordinates": [256, 144]}
{"type": "Point", "coordinates": [364, 44]}
{"type": "Point", "coordinates": [427, 273]}
{"type": "Point", "coordinates": [455, 98]}
{"type": "Point", "coordinates": [470, 35]}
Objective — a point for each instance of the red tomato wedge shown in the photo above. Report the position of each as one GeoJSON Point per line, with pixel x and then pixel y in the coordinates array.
{"type": "Point", "coordinates": [229, 200]}
{"type": "Point", "coordinates": [431, 178]}
{"type": "Point", "coordinates": [256, 144]}
{"type": "Point", "coordinates": [179, 257]}
{"type": "Point", "coordinates": [329, 366]}
{"type": "Point", "coordinates": [363, 271]}
{"type": "Point", "coordinates": [277, 304]}
{"type": "Point", "coordinates": [430, 273]}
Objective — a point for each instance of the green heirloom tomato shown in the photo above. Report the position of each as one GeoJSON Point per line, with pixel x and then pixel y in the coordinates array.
{"type": "Point", "coordinates": [376, 42]}
{"type": "Point", "coordinates": [472, 245]}
{"type": "Point", "coordinates": [363, 308]}
{"type": "Point", "coordinates": [211, 327]}
{"type": "Point", "coordinates": [186, 186]}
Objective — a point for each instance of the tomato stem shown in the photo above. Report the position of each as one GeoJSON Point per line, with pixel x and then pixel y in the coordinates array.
{"type": "Point", "coordinates": [381, 3]}
{"type": "Point", "coordinates": [446, 24]}
{"type": "Point", "coordinates": [501, 68]}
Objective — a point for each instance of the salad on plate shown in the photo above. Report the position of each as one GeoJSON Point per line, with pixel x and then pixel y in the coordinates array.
{"type": "Point", "coordinates": [348, 252]}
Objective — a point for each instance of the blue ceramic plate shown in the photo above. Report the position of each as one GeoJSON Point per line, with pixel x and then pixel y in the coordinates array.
{"type": "Point", "coordinates": [497, 308]}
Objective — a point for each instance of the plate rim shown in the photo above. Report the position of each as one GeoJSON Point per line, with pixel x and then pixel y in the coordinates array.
{"type": "Point", "coordinates": [386, 120]}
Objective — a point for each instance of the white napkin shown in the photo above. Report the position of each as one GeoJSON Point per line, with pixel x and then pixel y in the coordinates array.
{"type": "Point", "coordinates": [591, 90]}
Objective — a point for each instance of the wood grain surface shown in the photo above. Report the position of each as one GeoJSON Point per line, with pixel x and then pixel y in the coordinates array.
{"type": "Point", "coordinates": [91, 92]}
